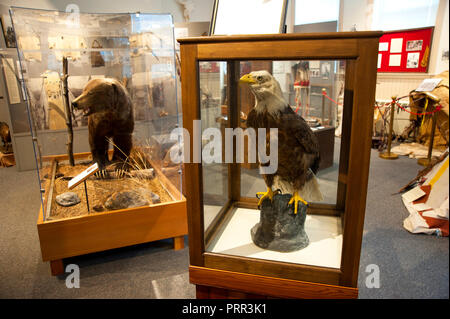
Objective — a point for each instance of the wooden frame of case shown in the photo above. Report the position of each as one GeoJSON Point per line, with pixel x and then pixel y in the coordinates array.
{"type": "Point", "coordinates": [75, 236]}
{"type": "Point", "coordinates": [225, 275]}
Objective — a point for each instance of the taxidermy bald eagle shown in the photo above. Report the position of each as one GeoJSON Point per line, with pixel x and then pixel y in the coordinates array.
{"type": "Point", "coordinates": [298, 148]}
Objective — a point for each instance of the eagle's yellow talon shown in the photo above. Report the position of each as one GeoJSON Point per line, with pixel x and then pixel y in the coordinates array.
{"type": "Point", "coordinates": [269, 194]}
{"type": "Point", "coordinates": [295, 199]}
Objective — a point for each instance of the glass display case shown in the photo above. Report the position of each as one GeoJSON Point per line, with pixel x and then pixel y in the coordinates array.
{"type": "Point", "coordinates": [305, 79]}
{"type": "Point", "coordinates": [102, 103]}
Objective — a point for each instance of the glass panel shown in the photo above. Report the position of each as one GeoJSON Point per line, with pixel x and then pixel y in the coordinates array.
{"type": "Point", "coordinates": [314, 91]}
{"type": "Point", "coordinates": [121, 79]}
{"type": "Point", "coordinates": [214, 116]}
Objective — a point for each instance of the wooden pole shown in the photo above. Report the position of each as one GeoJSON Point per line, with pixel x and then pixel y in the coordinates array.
{"type": "Point", "coordinates": [86, 193]}
{"type": "Point", "coordinates": [388, 154]}
{"type": "Point", "coordinates": [427, 161]}
{"type": "Point", "coordinates": [323, 106]}
{"type": "Point", "coordinates": [68, 111]}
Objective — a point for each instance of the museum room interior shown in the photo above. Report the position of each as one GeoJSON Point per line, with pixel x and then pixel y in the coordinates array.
{"type": "Point", "coordinates": [132, 162]}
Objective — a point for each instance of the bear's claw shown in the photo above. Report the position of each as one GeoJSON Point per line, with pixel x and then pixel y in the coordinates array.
{"type": "Point", "coordinates": [102, 174]}
{"type": "Point", "coordinates": [120, 173]}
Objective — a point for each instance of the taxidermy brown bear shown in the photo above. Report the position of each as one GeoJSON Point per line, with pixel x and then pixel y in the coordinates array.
{"type": "Point", "coordinates": [108, 106]}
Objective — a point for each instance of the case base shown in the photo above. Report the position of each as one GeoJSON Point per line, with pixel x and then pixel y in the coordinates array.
{"type": "Point", "coordinates": [214, 283]}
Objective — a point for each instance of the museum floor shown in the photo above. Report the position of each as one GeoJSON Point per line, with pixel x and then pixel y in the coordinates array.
{"type": "Point", "coordinates": [411, 266]}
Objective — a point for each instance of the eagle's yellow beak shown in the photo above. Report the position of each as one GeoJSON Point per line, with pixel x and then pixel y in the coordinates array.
{"type": "Point", "coordinates": [247, 78]}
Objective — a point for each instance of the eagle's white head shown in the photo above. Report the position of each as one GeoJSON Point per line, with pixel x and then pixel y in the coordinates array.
{"type": "Point", "coordinates": [267, 91]}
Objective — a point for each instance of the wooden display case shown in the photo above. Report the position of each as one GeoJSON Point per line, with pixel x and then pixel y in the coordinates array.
{"type": "Point", "coordinates": [137, 195]}
{"type": "Point", "coordinates": [95, 232]}
{"type": "Point", "coordinates": [227, 274]}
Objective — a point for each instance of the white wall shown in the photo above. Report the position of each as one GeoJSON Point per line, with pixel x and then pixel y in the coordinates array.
{"type": "Point", "coordinates": [202, 8]}
{"type": "Point", "coordinates": [440, 40]}
{"type": "Point", "coordinates": [356, 12]}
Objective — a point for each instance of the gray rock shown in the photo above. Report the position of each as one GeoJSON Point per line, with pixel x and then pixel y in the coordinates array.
{"type": "Point", "coordinates": [155, 198]}
{"type": "Point", "coordinates": [68, 199]}
{"type": "Point", "coordinates": [148, 173]}
{"type": "Point", "coordinates": [98, 208]}
{"type": "Point", "coordinates": [279, 229]}
{"type": "Point", "coordinates": [125, 199]}
{"type": "Point", "coordinates": [146, 193]}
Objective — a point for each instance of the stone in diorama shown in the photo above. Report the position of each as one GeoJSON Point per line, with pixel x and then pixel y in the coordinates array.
{"type": "Point", "coordinates": [68, 199]}
{"type": "Point", "coordinates": [108, 105]}
{"type": "Point", "coordinates": [281, 227]}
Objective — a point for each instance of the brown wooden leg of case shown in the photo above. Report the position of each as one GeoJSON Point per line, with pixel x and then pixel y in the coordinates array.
{"type": "Point", "coordinates": [178, 242]}
{"type": "Point", "coordinates": [57, 267]}
{"type": "Point", "coordinates": [202, 292]}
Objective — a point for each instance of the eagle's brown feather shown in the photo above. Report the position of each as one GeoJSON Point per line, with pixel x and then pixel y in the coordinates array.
{"type": "Point", "coordinates": [298, 148]}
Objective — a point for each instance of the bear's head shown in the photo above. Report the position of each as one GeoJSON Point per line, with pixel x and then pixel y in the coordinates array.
{"type": "Point", "coordinates": [99, 95]}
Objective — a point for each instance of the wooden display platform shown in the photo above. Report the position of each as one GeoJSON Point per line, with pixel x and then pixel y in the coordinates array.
{"type": "Point", "coordinates": [222, 284]}
{"type": "Point", "coordinates": [96, 232]}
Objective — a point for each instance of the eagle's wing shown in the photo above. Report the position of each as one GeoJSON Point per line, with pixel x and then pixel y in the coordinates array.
{"type": "Point", "coordinates": [251, 119]}
{"type": "Point", "coordinates": [302, 132]}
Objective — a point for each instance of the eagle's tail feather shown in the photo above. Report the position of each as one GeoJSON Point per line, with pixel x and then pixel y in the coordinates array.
{"type": "Point", "coordinates": [311, 191]}
{"type": "Point", "coordinates": [316, 164]}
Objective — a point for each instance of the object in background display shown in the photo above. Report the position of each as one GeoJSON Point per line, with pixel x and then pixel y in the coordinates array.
{"type": "Point", "coordinates": [8, 32]}
{"type": "Point", "coordinates": [325, 70]}
{"type": "Point", "coordinates": [6, 138]}
{"type": "Point", "coordinates": [96, 56]}
{"type": "Point", "coordinates": [414, 45]}
{"type": "Point", "coordinates": [412, 60]}
{"type": "Point", "coordinates": [298, 156]}
{"type": "Point", "coordinates": [302, 87]}
{"type": "Point", "coordinates": [56, 113]}
{"type": "Point", "coordinates": [32, 45]}
{"type": "Point", "coordinates": [110, 111]}
{"type": "Point", "coordinates": [61, 45]}
{"type": "Point", "coordinates": [421, 125]}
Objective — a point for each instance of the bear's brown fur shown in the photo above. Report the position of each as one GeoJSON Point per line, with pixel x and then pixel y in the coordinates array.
{"type": "Point", "coordinates": [108, 106]}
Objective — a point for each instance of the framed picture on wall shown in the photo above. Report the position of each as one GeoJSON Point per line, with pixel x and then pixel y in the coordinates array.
{"type": "Point", "coordinates": [405, 50]}
{"type": "Point", "coordinates": [8, 31]}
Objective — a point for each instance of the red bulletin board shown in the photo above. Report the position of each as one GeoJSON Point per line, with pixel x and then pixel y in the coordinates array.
{"type": "Point", "coordinates": [405, 50]}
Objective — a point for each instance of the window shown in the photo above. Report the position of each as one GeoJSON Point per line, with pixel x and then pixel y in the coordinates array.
{"type": "Point", "coordinates": [403, 14]}
{"type": "Point", "coordinates": [307, 11]}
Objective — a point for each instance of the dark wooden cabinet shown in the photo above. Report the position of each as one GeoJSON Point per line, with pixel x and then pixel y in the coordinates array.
{"type": "Point", "coordinates": [227, 274]}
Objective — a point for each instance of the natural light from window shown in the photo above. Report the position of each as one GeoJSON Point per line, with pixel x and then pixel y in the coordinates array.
{"type": "Point", "coordinates": [403, 14]}
{"type": "Point", "coordinates": [307, 11]}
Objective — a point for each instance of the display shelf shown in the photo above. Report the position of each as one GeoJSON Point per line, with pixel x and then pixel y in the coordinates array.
{"type": "Point", "coordinates": [324, 233]}
{"type": "Point", "coordinates": [94, 232]}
